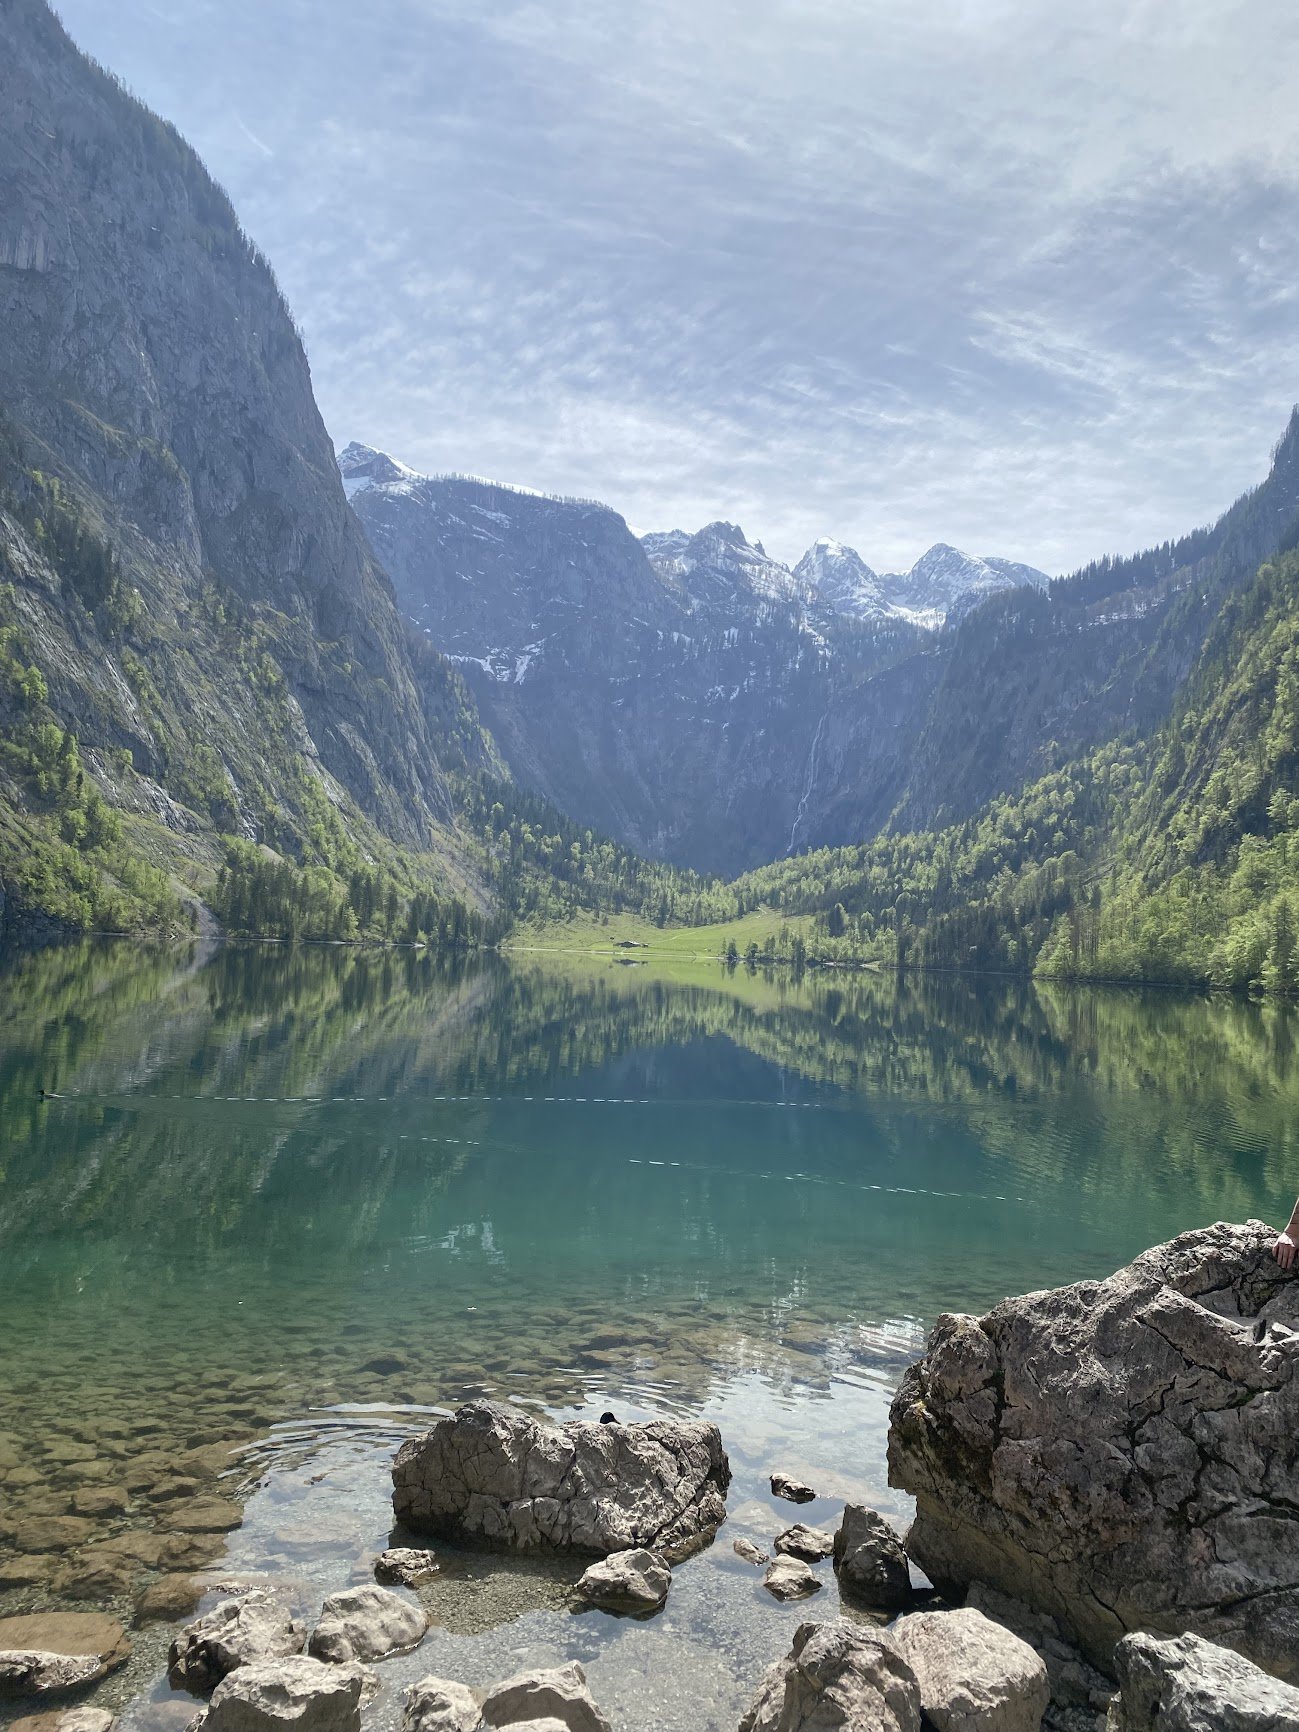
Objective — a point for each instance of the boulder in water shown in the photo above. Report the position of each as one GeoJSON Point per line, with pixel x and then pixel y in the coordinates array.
{"type": "Point", "coordinates": [253, 1626]}
{"type": "Point", "coordinates": [1123, 1453]}
{"type": "Point", "coordinates": [494, 1475]}
{"type": "Point", "coordinates": [635, 1581]}
{"type": "Point", "coordinates": [366, 1623]}
{"type": "Point", "coordinates": [559, 1693]}
{"type": "Point", "coordinates": [870, 1560]}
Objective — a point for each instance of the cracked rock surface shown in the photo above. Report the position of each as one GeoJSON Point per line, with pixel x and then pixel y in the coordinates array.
{"type": "Point", "coordinates": [837, 1677]}
{"type": "Point", "coordinates": [1189, 1685]}
{"type": "Point", "coordinates": [492, 1474]}
{"type": "Point", "coordinates": [1121, 1453]}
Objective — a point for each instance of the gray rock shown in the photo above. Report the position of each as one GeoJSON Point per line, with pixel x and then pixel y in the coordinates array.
{"type": "Point", "coordinates": [1186, 1684]}
{"type": "Point", "coordinates": [43, 1653]}
{"type": "Point", "coordinates": [406, 1566]}
{"type": "Point", "coordinates": [439, 1705]}
{"type": "Point", "coordinates": [792, 1490]}
{"type": "Point", "coordinates": [252, 1626]}
{"type": "Point", "coordinates": [1121, 1453]}
{"type": "Point", "coordinates": [1075, 1683]}
{"type": "Point", "coordinates": [870, 1559]}
{"type": "Point", "coordinates": [635, 1581]}
{"type": "Point", "coordinates": [804, 1542]}
{"type": "Point", "coordinates": [493, 1474]}
{"type": "Point", "coordinates": [559, 1694]}
{"type": "Point", "coordinates": [974, 1675]}
{"type": "Point", "coordinates": [300, 1694]}
{"type": "Point", "coordinates": [751, 1553]}
{"type": "Point", "coordinates": [366, 1623]}
{"type": "Point", "coordinates": [80, 1719]}
{"type": "Point", "coordinates": [837, 1677]}
{"type": "Point", "coordinates": [791, 1579]}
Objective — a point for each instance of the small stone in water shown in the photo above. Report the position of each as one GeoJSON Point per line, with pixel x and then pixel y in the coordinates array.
{"type": "Point", "coordinates": [790, 1579]}
{"type": "Point", "coordinates": [406, 1566]}
{"type": "Point", "coordinates": [792, 1490]}
{"type": "Point", "coordinates": [804, 1542]}
{"type": "Point", "coordinates": [751, 1553]}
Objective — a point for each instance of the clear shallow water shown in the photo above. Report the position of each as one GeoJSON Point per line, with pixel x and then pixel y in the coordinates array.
{"type": "Point", "coordinates": [283, 1203]}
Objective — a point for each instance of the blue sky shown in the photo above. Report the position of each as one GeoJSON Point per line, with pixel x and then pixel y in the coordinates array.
{"type": "Point", "coordinates": [1022, 275]}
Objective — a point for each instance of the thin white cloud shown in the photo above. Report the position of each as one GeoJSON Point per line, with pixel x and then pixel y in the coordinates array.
{"type": "Point", "coordinates": [1017, 274]}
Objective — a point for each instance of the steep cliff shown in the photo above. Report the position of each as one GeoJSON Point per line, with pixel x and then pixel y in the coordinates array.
{"type": "Point", "coordinates": [177, 559]}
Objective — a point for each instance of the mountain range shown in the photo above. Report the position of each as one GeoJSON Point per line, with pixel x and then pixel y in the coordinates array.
{"type": "Point", "coordinates": [245, 682]}
{"type": "Point", "coordinates": [669, 688]}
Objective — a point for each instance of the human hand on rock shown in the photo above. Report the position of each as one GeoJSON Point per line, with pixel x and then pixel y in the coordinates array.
{"type": "Point", "coordinates": [1284, 1250]}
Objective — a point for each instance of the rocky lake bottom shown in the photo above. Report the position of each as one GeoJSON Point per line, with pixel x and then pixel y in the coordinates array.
{"type": "Point", "coordinates": [266, 1213]}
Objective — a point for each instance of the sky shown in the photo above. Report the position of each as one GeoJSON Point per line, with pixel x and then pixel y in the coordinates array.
{"type": "Point", "coordinates": [1020, 275]}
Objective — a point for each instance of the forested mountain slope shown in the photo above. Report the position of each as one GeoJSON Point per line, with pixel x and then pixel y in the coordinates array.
{"type": "Point", "coordinates": [196, 635]}
{"type": "Point", "coordinates": [1173, 858]}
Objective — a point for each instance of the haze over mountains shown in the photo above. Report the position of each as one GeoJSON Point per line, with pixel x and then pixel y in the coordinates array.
{"type": "Point", "coordinates": [706, 704]}
{"type": "Point", "coordinates": [669, 688]}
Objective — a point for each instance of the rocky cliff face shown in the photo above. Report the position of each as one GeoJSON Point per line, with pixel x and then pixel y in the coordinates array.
{"type": "Point", "coordinates": [704, 703]}
{"type": "Point", "coordinates": [1122, 1454]}
{"type": "Point", "coordinates": [158, 407]}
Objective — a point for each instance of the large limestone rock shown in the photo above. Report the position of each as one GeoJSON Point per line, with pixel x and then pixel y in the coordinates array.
{"type": "Point", "coordinates": [974, 1676]}
{"type": "Point", "coordinates": [560, 1693]}
{"type": "Point", "coordinates": [870, 1560]}
{"type": "Point", "coordinates": [366, 1623]}
{"type": "Point", "coordinates": [1121, 1453]}
{"type": "Point", "coordinates": [439, 1705]}
{"type": "Point", "coordinates": [293, 1695]}
{"type": "Point", "coordinates": [43, 1653]}
{"type": "Point", "coordinates": [837, 1677]}
{"type": "Point", "coordinates": [252, 1626]}
{"type": "Point", "coordinates": [493, 1474]}
{"type": "Point", "coordinates": [1189, 1685]}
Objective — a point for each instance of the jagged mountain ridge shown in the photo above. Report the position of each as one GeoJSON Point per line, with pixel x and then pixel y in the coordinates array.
{"type": "Point", "coordinates": [671, 689]}
{"type": "Point", "coordinates": [756, 711]}
{"type": "Point", "coordinates": [157, 403]}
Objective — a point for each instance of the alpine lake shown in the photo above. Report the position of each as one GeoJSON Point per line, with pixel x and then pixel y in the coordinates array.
{"type": "Point", "coordinates": [267, 1211]}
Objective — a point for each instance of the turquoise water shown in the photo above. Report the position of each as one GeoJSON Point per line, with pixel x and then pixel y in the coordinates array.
{"type": "Point", "coordinates": [283, 1205]}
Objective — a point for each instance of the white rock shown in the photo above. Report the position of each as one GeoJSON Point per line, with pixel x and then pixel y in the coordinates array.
{"type": "Point", "coordinates": [251, 1626]}
{"type": "Point", "coordinates": [974, 1675]}
{"type": "Point", "coordinates": [790, 1579]}
{"type": "Point", "coordinates": [366, 1623]}
{"type": "Point", "coordinates": [559, 1694]}
{"type": "Point", "coordinates": [837, 1677]}
{"type": "Point", "coordinates": [293, 1695]}
{"type": "Point", "coordinates": [632, 1581]}
{"type": "Point", "coordinates": [439, 1705]}
{"type": "Point", "coordinates": [1185, 1684]}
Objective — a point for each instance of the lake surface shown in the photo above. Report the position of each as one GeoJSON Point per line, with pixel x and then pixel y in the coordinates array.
{"type": "Point", "coordinates": [285, 1205]}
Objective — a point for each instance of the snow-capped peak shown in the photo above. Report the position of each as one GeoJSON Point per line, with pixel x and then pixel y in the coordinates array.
{"type": "Point", "coordinates": [719, 563]}
{"type": "Point", "coordinates": [944, 577]}
{"type": "Point", "coordinates": [838, 579]}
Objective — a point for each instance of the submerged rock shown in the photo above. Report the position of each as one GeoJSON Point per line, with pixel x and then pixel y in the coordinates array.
{"type": "Point", "coordinates": [792, 1490]}
{"type": "Point", "coordinates": [837, 1675]}
{"type": "Point", "coordinates": [80, 1719]}
{"type": "Point", "coordinates": [439, 1705]}
{"type": "Point", "coordinates": [750, 1552]}
{"type": "Point", "coordinates": [560, 1694]}
{"type": "Point", "coordinates": [1121, 1453]}
{"type": "Point", "coordinates": [635, 1581]}
{"type": "Point", "coordinates": [791, 1579]}
{"type": "Point", "coordinates": [406, 1566]}
{"type": "Point", "coordinates": [250, 1627]}
{"type": "Point", "coordinates": [974, 1676]}
{"type": "Point", "coordinates": [496, 1475]}
{"type": "Point", "coordinates": [1185, 1684]}
{"type": "Point", "coordinates": [870, 1560]}
{"type": "Point", "coordinates": [366, 1623]}
{"type": "Point", "coordinates": [804, 1542]}
{"type": "Point", "coordinates": [293, 1695]}
{"type": "Point", "coordinates": [43, 1653]}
